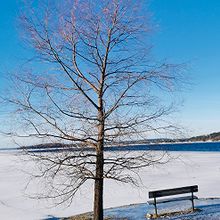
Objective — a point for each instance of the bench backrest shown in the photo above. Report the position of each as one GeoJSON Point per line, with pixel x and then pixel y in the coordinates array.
{"type": "Point", "coordinates": [175, 191]}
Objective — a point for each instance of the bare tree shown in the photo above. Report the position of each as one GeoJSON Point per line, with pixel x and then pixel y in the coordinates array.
{"type": "Point", "coordinates": [92, 84]}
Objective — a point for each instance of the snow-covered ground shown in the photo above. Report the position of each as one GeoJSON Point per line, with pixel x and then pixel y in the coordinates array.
{"type": "Point", "coordinates": [209, 210]}
{"type": "Point", "coordinates": [190, 168]}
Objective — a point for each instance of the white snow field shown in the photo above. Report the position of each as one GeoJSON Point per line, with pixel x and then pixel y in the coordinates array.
{"type": "Point", "coordinates": [191, 168]}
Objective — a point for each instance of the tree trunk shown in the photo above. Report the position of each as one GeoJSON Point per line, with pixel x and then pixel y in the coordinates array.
{"type": "Point", "coordinates": [98, 188]}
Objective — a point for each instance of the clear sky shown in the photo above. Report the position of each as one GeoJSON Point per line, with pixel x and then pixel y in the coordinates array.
{"type": "Point", "coordinates": [187, 31]}
{"type": "Point", "coordinates": [190, 31]}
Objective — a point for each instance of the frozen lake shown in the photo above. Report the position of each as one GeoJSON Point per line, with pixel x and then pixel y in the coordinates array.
{"type": "Point", "coordinates": [189, 168]}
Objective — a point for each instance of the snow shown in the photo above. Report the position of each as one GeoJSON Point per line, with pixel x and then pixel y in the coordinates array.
{"type": "Point", "coordinates": [188, 168]}
{"type": "Point", "coordinates": [210, 209]}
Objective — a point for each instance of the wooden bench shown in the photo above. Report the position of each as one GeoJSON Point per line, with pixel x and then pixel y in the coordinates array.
{"type": "Point", "coordinates": [171, 192]}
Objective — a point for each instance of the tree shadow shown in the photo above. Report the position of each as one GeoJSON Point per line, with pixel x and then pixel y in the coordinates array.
{"type": "Point", "coordinates": [49, 217]}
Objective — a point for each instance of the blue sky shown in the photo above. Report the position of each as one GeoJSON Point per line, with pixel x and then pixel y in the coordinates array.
{"type": "Point", "coordinates": [187, 31]}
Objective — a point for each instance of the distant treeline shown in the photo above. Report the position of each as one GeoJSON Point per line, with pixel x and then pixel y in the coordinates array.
{"type": "Point", "coordinates": [202, 138]}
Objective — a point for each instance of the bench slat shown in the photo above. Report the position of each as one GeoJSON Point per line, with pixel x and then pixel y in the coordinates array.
{"type": "Point", "coordinates": [175, 191]}
{"type": "Point", "coordinates": [151, 202]}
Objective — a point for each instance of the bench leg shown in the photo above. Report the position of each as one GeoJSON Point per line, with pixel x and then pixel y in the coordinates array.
{"type": "Point", "coordinates": [155, 206]}
{"type": "Point", "coordinates": [193, 207]}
